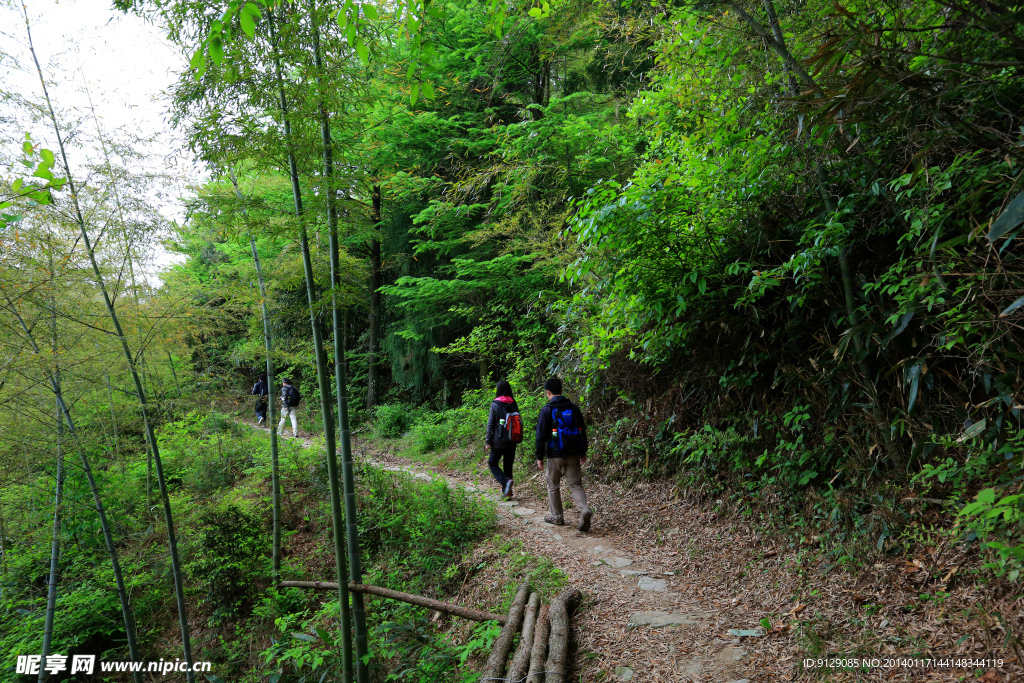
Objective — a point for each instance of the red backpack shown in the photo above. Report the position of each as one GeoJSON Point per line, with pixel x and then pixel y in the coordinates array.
{"type": "Point", "coordinates": [510, 428]}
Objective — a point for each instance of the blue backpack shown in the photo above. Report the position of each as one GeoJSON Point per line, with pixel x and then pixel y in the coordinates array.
{"type": "Point", "coordinates": [567, 431]}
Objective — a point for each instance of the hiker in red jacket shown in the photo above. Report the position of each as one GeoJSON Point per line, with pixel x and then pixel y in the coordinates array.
{"type": "Point", "coordinates": [504, 432]}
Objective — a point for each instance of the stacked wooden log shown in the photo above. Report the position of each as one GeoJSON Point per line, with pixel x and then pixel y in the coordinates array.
{"type": "Point", "coordinates": [543, 630]}
{"type": "Point", "coordinates": [543, 643]}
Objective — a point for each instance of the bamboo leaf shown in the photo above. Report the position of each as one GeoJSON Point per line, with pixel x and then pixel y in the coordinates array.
{"type": "Point", "coordinates": [915, 379]}
{"type": "Point", "coordinates": [1012, 307]}
{"type": "Point", "coordinates": [1008, 219]}
{"type": "Point", "coordinates": [972, 431]}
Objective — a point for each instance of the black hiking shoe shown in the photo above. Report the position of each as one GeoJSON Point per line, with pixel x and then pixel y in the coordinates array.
{"type": "Point", "coordinates": [557, 521]}
{"type": "Point", "coordinates": [508, 490]}
{"type": "Point", "coordinates": [585, 521]}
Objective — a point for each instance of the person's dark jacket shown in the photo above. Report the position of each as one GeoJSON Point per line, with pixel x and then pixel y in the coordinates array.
{"type": "Point", "coordinates": [286, 395]}
{"type": "Point", "coordinates": [545, 425]}
{"type": "Point", "coordinates": [499, 406]}
{"type": "Point", "coordinates": [259, 389]}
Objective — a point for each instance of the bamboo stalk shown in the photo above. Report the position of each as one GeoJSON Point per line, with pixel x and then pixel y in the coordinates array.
{"type": "Point", "coordinates": [3, 546]}
{"type": "Point", "coordinates": [558, 641]}
{"type": "Point", "coordinates": [326, 411]}
{"type": "Point", "coordinates": [429, 603]}
{"type": "Point", "coordinates": [275, 465]}
{"type": "Point", "coordinates": [179, 589]}
{"type": "Point", "coordinates": [122, 594]}
{"type": "Point", "coordinates": [538, 656]}
{"type": "Point", "coordinates": [51, 588]}
{"type": "Point", "coordinates": [358, 612]}
{"type": "Point", "coordinates": [520, 665]}
{"type": "Point", "coordinates": [495, 667]}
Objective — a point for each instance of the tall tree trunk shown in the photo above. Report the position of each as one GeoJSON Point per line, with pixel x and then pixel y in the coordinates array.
{"type": "Point", "coordinates": [275, 468]}
{"type": "Point", "coordinates": [326, 409]}
{"type": "Point", "coordinates": [174, 373]}
{"type": "Point", "coordinates": [358, 617]}
{"type": "Point", "coordinates": [373, 357]}
{"type": "Point", "coordinates": [108, 537]}
{"type": "Point", "coordinates": [3, 540]}
{"type": "Point", "coordinates": [179, 588]}
{"type": "Point", "coordinates": [113, 415]}
{"type": "Point", "coordinates": [51, 588]}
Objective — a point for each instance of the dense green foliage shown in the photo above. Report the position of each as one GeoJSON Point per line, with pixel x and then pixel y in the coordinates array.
{"type": "Point", "coordinates": [760, 243]}
{"type": "Point", "coordinates": [414, 533]}
{"type": "Point", "coordinates": [773, 249]}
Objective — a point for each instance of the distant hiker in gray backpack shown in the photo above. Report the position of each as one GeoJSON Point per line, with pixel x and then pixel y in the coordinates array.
{"type": "Point", "coordinates": [562, 438]}
{"type": "Point", "coordinates": [504, 433]}
{"type": "Point", "coordinates": [260, 390]}
{"type": "Point", "coordinates": [290, 399]}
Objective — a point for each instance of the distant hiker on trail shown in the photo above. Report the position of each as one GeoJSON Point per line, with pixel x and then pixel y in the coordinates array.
{"type": "Point", "coordinates": [504, 433]}
{"type": "Point", "coordinates": [260, 390]}
{"type": "Point", "coordinates": [562, 437]}
{"type": "Point", "coordinates": [289, 406]}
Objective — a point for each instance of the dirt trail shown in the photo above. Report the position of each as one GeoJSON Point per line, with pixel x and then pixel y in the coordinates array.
{"type": "Point", "coordinates": [640, 622]}
{"type": "Point", "coordinates": [666, 581]}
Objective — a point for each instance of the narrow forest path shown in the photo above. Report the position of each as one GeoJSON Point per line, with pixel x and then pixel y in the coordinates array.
{"type": "Point", "coordinates": [645, 618]}
{"type": "Point", "coordinates": [668, 583]}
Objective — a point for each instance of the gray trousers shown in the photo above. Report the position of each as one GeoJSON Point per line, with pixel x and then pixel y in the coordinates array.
{"type": "Point", "coordinates": [569, 467]}
{"type": "Point", "coordinates": [289, 412]}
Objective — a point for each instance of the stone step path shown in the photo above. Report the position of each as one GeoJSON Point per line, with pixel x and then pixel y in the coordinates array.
{"type": "Point", "coordinates": [723, 659]}
{"type": "Point", "coordinates": [610, 566]}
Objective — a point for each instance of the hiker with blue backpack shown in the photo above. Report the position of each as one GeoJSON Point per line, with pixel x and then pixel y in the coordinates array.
{"type": "Point", "coordinates": [562, 439]}
{"type": "Point", "coordinates": [504, 433]}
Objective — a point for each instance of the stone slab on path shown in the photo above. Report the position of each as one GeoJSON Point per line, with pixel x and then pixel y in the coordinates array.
{"type": "Point", "coordinates": [654, 585]}
{"type": "Point", "coordinates": [522, 512]}
{"type": "Point", "coordinates": [619, 562]}
{"type": "Point", "coordinates": [661, 619]}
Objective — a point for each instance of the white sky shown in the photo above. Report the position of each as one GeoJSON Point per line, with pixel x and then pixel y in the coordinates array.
{"type": "Point", "coordinates": [127, 65]}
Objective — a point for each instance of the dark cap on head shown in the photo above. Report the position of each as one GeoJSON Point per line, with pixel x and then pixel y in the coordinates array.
{"type": "Point", "coordinates": [286, 381]}
{"type": "Point", "coordinates": [554, 385]}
